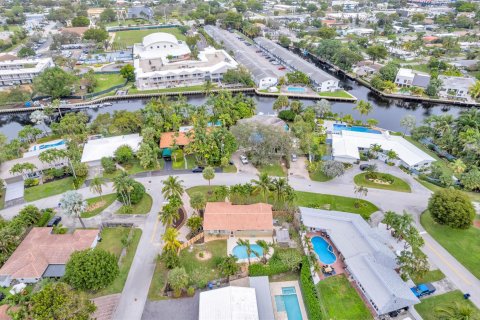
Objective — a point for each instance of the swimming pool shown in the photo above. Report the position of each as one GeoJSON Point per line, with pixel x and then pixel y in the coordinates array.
{"type": "Point", "coordinates": [288, 302]}
{"type": "Point", "coordinates": [45, 146]}
{"type": "Point", "coordinates": [323, 250]}
{"type": "Point", "coordinates": [241, 251]}
{"type": "Point", "coordinates": [295, 89]}
{"type": "Point", "coordinates": [339, 127]}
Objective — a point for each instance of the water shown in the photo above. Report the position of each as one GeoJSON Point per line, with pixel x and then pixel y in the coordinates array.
{"type": "Point", "coordinates": [295, 89]}
{"type": "Point", "coordinates": [49, 145]}
{"type": "Point", "coordinates": [241, 251]}
{"type": "Point", "coordinates": [339, 127]}
{"type": "Point", "coordinates": [288, 302]}
{"type": "Point", "coordinates": [321, 248]}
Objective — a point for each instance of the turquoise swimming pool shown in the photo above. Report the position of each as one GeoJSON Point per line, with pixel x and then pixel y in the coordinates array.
{"type": "Point", "coordinates": [296, 89]}
{"type": "Point", "coordinates": [47, 145]}
{"type": "Point", "coordinates": [241, 251]}
{"type": "Point", "coordinates": [323, 250]}
{"type": "Point", "coordinates": [339, 127]}
{"type": "Point", "coordinates": [288, 302]}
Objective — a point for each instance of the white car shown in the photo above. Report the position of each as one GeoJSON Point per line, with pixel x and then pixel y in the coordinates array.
{"type": "Point", "coordinates": [294, 157]}
{"type": "Point", "coordinates": [244, 159]}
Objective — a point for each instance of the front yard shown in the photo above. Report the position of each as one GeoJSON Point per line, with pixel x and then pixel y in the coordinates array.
{"type": "Point", "coordinates": [143, 207]}
{"type": "Point", "coordinates": [273, 169]}
{"type": "Point", "coordinates": [397, 184]}
{"type": "Point", "coordinates": [336, 94]}
{"type": "Point", "coordinates": [106, 81]}
{"type": "Point", "coordinates": [429, 307]}
{"type": "Point", "coordinates": [98, 204]}
{"type": "Point", "coordinates": [430, 276]}
{"type": "Point", "coordinates": [339, 300]}
{"type": "Point", "coordinates": [48, 189]}
{"type": "Point", "coordinates": [178, 162]}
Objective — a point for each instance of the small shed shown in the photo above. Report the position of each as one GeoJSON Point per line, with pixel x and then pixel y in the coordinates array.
{"type": "Point", "coordinates": [283, 237]}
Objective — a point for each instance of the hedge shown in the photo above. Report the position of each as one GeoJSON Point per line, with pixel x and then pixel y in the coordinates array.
{"type": "Point", "coordinates": [258, 269]}
{"type": "Point", "coordinates": [275, 265]}
{"type": "Point", "coordinates": [310, 295]}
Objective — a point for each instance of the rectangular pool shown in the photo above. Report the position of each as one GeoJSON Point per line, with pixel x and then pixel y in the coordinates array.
{"type": "Point", "coordinates": [288, 302]}
{"type": "Point", "coordinates": [339, 127]}
{"type": "Point", "coordinates": [296, 89]}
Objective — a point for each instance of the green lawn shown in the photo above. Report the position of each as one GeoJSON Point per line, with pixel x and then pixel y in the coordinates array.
{"type": "Point", "coordinates": [2, 198]}
{"type": "Point", "coordinates": [203, 189]}
{"type": "Point", "coordinates": [420, 67]}
{"type": "Point", "coordinates": [159, 280]}
{"type": "Point", "coordinates": [474, 196]}
{"type": "Point", "coordinates": [134, 167]}
{"type": "Point", "coordinates": [431, 276]}
{"type": "Point", "coordinates": [106, 81]}
{"type": "Point", "coordinates": [273, 169]}
{"type": "Point", "coordinates": [318, 175]}
{"type": "Point", "coordinates": [336, 203]}
{"type": "Point", "coordinates": [340, 300]}
{"type": "Point", "coordinates": [127, 22]}
{"type": "Point", "coordinates": [180, 163]}
{"type": "Point", "coordinates": [444, 163]}
{"type": "Point", "coordinates": [230, 169]}
{"type": "Point", "coordinates": [397, 185]}
{"type": "Point", "coordinates": [111, 241]}
{"type": "Point", "coordinates": [464, 245]}
{"type": "Point", "coordinates": [428, 305]}
{"type": "Point", "coordinates": [336, 94]}
{"type": "Point", "coordinates": [98, 204]}
{"type": "Point", "coordinates": [167, 90]}
{"type": "Point", "coordinates": [130, 37]}
{"type": "Point", "coordinates": [143, 207]}
{"type": "Point", "coordinates": [48, 189]}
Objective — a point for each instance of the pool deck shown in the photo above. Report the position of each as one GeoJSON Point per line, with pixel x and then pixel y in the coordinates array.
{"type": "Point", "coordinates": [232, 243]}
{"type": "Point", "coordinates": [338, 265]}
{"type": "Point", "coordinates": [276, 289]}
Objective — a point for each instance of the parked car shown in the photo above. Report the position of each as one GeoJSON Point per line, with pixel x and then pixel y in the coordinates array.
{"type": "Point", "coordinates": [294, 157]}
{"type": "Point", "coordinates": [365, 166]}
{"type": "Point", "coordinates": [198, 169]}
{"type": "Point", "coordinates": [282, 68]}
{"type": "Point", "coordinates": [244, 159]}
{"type": "Point", "coordinates": [423, 289]}
{"type": "Point", "coordinates": [54, 221]}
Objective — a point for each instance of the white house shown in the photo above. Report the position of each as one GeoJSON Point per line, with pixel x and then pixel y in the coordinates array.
{"type": "Point", "coordinates": [22, 71]}
{"type": "Point", "coordinates": [162, 61]}
{"type": "Point", "coordinates": [457, 87]}
{"type": "Point", "coordinates": [238, 303]}
{"type": "Point", "coordinates": [409, 77]}
{"type": "Point", "coordinates": [95, 150]}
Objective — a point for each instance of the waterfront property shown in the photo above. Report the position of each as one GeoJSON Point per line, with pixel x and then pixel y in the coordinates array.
{"type": "Point", "coordinates": [95, 149]}
{"type": "Point", "coordinates": [43, 254]}
{"type": "Point", "coordinates": [22, 71]}
{"type": "Point", "coordinates": [455, 87]}
{"type": "Point", "coordinates": [321, 81]}
{"type": "Point", "coordinates": [366, 255]}
{"type": "Point", "coordinates": [409, 77]}
{"type": "Point", "coordinates": [162, 61]}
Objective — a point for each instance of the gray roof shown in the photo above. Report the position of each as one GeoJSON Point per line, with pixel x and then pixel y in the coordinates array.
{"type": "Point", "coordinates": [294, 61]}
{"type": "Point", "coordinates": [456, 83]}
{"type": "Point", "coordinates": [367, 257]}
{"type": "Point", "coordinates": [54, 271]}
{"type": "Point", "coordinates": [264, 299]}
{"type": "Point", "coordinates": [265, 119]}
{"type": "Point", "coordinates": [283, 235]}
{"type": "Point", "coordinates": [420, 80]}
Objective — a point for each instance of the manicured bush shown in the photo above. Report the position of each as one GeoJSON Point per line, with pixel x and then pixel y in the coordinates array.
{"type": "Point", "coordinates": [124, 154]}
{"type": "Point", "coordinates": [108, 165]}
{"type": "Point", "coordinates": [81, 169]}
{"type": "Point", "coordinates": [287, 115]}
{"type": "Point", "coordinates": [451, 207]}
{"type": "Point", "coordinates": [30, 182]}
{"type": "Point", "coordinates": [309, 292]}
{"type": "Point", "coordinates": [47, 214]}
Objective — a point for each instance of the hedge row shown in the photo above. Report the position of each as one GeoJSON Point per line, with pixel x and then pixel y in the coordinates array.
{"type": "Point", "coordinates": [309, 291]}
{"type": "Point", "coordinates": [258, 269]}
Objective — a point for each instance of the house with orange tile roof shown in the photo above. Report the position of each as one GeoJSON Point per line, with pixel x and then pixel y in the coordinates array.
{"type": "Point", "coordinates": [169, 139]}
{"type": "Point", "coordinates": [43, 254]}
{"type": "Point", "coordinates": [223, 219]}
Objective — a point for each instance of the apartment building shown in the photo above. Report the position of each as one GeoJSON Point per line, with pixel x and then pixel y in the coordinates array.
{"type": "Point", "coordinates": [22, 71]}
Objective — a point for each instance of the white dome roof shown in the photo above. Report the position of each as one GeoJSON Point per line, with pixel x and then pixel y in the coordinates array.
{"type": "Point", "coordinates": [159, 37]}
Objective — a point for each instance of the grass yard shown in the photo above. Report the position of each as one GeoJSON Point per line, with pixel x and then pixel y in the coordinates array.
{"type": "Point", "coordinates": [111, 241]}
{"type": "Point", "coordinates": [397, 185]}
{"type": "Point", "coordinates": [230, 169]}
{"type": "Point", "coordinates": [168, 90]}
{"type": "Point", "coordinates": [203, 189]}
{"type": "Point", "coordinates": [134, 167]}
{"type": "Point", "coordinates": [48, 189]}
{"type": "Point", "coordinates": [273, 169]}
{"type": "Point", "coordinates": [318, 175]}
{"type": "Point", "coordinates": [2, 197]}
{"type": "Point", "coordinates": [143, 207]}
{"type": "Point", "coordinates": [428, 305]}
{"type": "Point", "coordinates": [336, 94]}
{"type": "Point", "coordinates": [464, 245]}
{"type": "Point", "coordinates": [98, 204]}
{"type": "Point", "coordinates": [159, 280]}
{"type": "Point", "coordinates": [431, 276]}
{"type": "Point", "coordinates": [444, 163]}
{"type": "Point", "coordinates": [337, 203]}
{"type": "Point", "coordinates": [106, 81]}
{"type": "Point", "coordinates": [180, 163]}
{"type": "Point", "coordinates": [127, 22]}
{"type": "Point", "coordinates": [474, 196]}
{"type": "Point", "coordinates": [130, 37]}
{"type": "Point", "coordinates": [340, 300]}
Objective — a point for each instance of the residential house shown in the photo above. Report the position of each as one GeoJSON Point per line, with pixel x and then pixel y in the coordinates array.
{"type": "Point", "coordinates": [455, 87]}
{"type": "Point", "coordinates": [96, 149]}
{"type": "Point", "coordinates": [409, 77]}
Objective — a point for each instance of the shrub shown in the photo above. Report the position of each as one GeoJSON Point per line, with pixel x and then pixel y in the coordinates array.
{"type": "Point", "coordinates": [108, 165]}
{"type": "Point", "coordinates": [282, 260]}
{"type": "Point", "coordinates": [451, 207]}
{"type": "Point", "coordinates": [81, 169]}
{"type": "Point", "coordinates": [170, 259]}
{"type": "Point", "coordinates": [191, 291]}
{"type": "Point", "coordinates": [309, 292]}
{"type": "Point", "coordinates": [137, 193]}
{"type": "Point", "coordinates": [30, 182]}
{"type": "Point", "coordinates": [178, 280]}
{"type": "Point", "coordinates": [124, 154]}
{"type": "Point", "coordinates": [47, 214]}
{"type": "Point", "coordinates": [332, 168]}
{"type": "Point", "coordinates": [287, 115]}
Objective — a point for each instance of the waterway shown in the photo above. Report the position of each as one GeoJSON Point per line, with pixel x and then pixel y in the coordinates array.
{"type": "Point", "coordinates": [387, 111]}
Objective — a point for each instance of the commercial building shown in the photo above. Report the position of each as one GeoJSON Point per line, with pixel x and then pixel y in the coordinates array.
{"type": "Point", "coordinates": [455, 87]}
{"type": "Point", "coordinates": [161, 61]}
{"type": "Point", "coordinates": [263, 72]}
{"type": "Point", "coordinates": [43, 254]}
{"type": "Point", "coordinates": [22, 71]}
{"type": "Point", "coordinates": [367, 256]}
{"type": "Point", "coordinates": [320, 80]}
{"type": "Point", "coordinates": [95, 149]}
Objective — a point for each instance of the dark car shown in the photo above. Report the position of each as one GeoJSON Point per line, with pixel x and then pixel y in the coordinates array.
{"type": "Point", "coordinates": [423, 289]}
{"type": "Point", "coordinates": [198, 170]}
{"type": "Point", "coordinates": [54, 221]}
{"type": "Point", "coordinates": [364, 167]}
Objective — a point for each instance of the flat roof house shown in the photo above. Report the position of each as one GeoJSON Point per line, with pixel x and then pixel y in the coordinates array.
{"type": "Point", "coordinates": [22, 71]}
{"type": "Point", "coordinates": [43, 254]}
{"type": "Point", "coordinates": [367, 257]}
{"type": "Point", "coordinates": [94, 150]}
{"type": "Point", "coordinates": [409, 77]}
{"type": "Point", "coordinates": [456, 87]}
{"type": "Point", "coordinates": [223, 219]}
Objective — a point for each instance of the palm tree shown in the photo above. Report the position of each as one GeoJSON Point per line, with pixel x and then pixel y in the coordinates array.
{"type": "Point", "coordinates": [172, 186]}
{"type": "Point", "coordinates": [170, 240]}
{"type": "Point", "coordinates": [169, 214]}
{"type": "Point", "coordinates": [263, 185]}
{"type": "Point", "coordinates": [375, 149]}
{"type": "Point", "coordinates": [228, 266]}
{"type": "Point", "coordinates": [391, 155]}
{"type": "Point", "coordinates": [265, 247]}
{"type": "Point", "coordinates": [207, 87]}
{"type": "Point", "coordinates": [122, 185]}
{"type": "Point", "coordinates": [363, 107]}
{"type": "Point", "coordinates": [248, 248]}
{"type": "Point", "coordinates": [96, 185]}
{"type": "Point", "coordinates": [280, 186]}
{"type": "Point", "coordinates": [360, 191]}
{"type": "Point", "coordinates": [475, 90]}
{"type": "Point", "coordinates": [389, 219]}
{"type": "Point", "coordinates": [458, 166]}
{"type": "Point", "coordinates": [455, 311]}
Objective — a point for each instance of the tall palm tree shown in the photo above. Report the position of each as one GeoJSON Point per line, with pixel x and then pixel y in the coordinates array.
{"type": "Point", "coordinates": [122, 185]}
{"type": "Point", "coordinates": [391, 155]}
{"type": "Point", "coordinates": [265, 247]}
{"type": "Point", "coordinates": [262, 185]}
{"type": "Point", "coordinates": [375, 149]}
{"type": "Point", "coordinates": [280, 186]}
{"type": "Point", "coordinates": [228, 266]}
{"type": "Point", "coordinates": [169, 214]}
{"type": "Point", "coordinates": [248, 248]}
{"type": "Point", "coordinates": [475, 90]}
{"type": "Point", "coordinates": [208, 87]}
{"type": "Point", "coordinates": [458, 166]}
{"type": "Point", "coordinates": [96, 185]}
{"type": "Point", "coordinates": [170, 240]}
{"type": "Point", "coordinates": [172, 186]}
{"type": "Point", "coordinates": [363, 107]}
{"type": "Point", "coordinates": [454, 311]}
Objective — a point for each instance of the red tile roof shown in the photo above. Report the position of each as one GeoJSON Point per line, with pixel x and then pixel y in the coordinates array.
{"type": "Point", "coordinates": [3, 312]}
{"type": "Point", "coordinates": [226, 216]}
{"type": "Point", "coordinates": [167, 138]}
{"type": "Point", "coordinates": [41, 248]}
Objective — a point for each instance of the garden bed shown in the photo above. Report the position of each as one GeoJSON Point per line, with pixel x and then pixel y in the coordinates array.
{"type": "Point", "coordinates": [382, 181]}
{"type": "Point", "coordinates": [98, 204]}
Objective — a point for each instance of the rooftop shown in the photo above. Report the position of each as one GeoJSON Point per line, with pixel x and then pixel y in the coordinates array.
{"type": "Point", "coordinates": [226, 216]}
{"type": "Point", "coordinates": [95, 150]}
{"type": "Point", "coordinates": [229, 303]}
{"type": "Point", "coordinates": [167, 139]}
{"type": "Point", "coordinates": [459, 83]}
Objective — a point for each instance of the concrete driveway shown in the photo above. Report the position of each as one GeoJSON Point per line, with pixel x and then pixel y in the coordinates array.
{"type": "Point", "coordinates": [172, 309]}
{"type": "Point", "coordinates": [243, 168]}
{"type": "Point", "coordinates": [298, 169]}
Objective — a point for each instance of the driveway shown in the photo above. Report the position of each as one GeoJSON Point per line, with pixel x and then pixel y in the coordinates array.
{"type": "Point", "coordinates": [298, 169]}
{"type": "Point", "coordinates": [172, 309]}
{"type": "Point", "coordinates": [243, 168]}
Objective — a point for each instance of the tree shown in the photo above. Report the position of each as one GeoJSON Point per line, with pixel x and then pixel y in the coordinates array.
{"type": "Point", "coordinates": [391, 155]}
{"type": "Point", "coordinates": [363, 107]}
{"type": "Point", "coordinates": [90, 81]}
{"type": "Point", "coordinates": [23, 168]}
{"type": "Point", "coordinates": [458, 166]}
{"type": "Point", "coordinates": [73, 205]}
{"type": "Point", "coordinates": [228, 266]}
{"type": "Point", "coordinates": [408, 122]}
{"type": "Point", "coordinates": [29, 133]}
{"type": "Point", "coordinates": [332, 168]}
{"type": "Point", "coordinates": [359, 191]}
{"type": "Point", "coordinates": [208, 174]}
{"type": "Point", "coordinates": [147, 155]}
{"type": "Point", "coordinates": [80, 21]}
{"type": "Point", "coordinates": [195, 223]}
{"type": "Point", "coordinates": [471, 180]}
{"type": "Point", "coordinates": [124, 154]}
{"type": "Point", "coordinates": [281, 103]}
{"type": "Point", "coordinates": [170, 240]}
{"type": "Point", "coordinates": [263, 184]}
{"type": "Point", "coordinates": [390, 219]}
{"type": "Point", "coordinates": [475, 90]}
{"type": "Point", "coordinates": [172, 186]}
{"type": "Point", "coordinates": [108, 15]}
{"type": "Point", "coordinates": [389, 71]}
{"type": "Point", "coordinates": [284, 40]}
{"type": "Point", "coordinates": [327, 32]}
{"type": "Point", "coordinates": [96, 185]}
{"type": "Point", "coordinates": [54, 82]}
{"type": "Point", "coordinates": [265, 248]}
{"type": "Point", "coordinates": [57, 300]}
{"type": "Point", "coordinates": [198, 201]}
{"type": "Point", "coordinates": [451, 207]}
{"type": "Point", "coordinates": [433, 87]}
{"type": "Point", "coordinates": [128, 72]}
{"type": "Point", "coordinates": [248, 248]}
{"type": "Point", "coordinates": [178, 280]}
{"type": "Point", "coordinates": [169, 214]}
{"type": "Point", "coordinates": [91, 269]}
{"type": "Point", "coordinates": [108, 164]}
{"type": "Point", "coordinates": [39, 117]}
{"type": "Point", "coordinates": [25, 52]}
{"type": "Point", "coordinates": [412, 264]}
{"type": "Point", "coordinates": [322, 108]}
{"type": "Point", "coordinates": [96, 34]}
{"type": "Point", "coordinates": [455, 310]}
{"type": "Point", "coordinates": [372, 122]}
{"type": "Point", "coordinates": [377, 52]}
